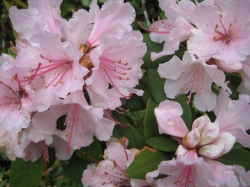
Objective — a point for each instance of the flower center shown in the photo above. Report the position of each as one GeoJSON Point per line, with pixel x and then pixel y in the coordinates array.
{"type": "Point", "coordinates": [195, 77]}
{"type": "Point", "coordinates": [115, 70]}
{"type": "Point", "coordinates": [186, 177]}
{"type": "Point", "coordinates": [226, 36]}
{"type": "Point", "coordinates": [12, 97]}
{"type": "Point", "coordinates": [159, 27]}
{"type": "Point", "coordinates": [74, 124]}
{"type": "Point", "coordinates": [57, 68]}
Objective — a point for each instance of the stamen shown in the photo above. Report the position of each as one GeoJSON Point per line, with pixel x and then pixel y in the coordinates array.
{"type": "Point", "coordinates": [91, 158]}
{"type": "Point", "coordinates": [167, 26]}
{"type": "Point", "coordinates": [195, 76]}
{"type": "Point", "coordinates": [226, 37]}
{"type": "Point", "coordinates": [110, 116]}
{"type": "Point", "coordinates": [124, 147]}
{"type": "Point", "coordinates": [117, 70]}
{"type": "Point", "coordinates": [73, 123]}
{"type": "Point", "coordinates": [62, 65]}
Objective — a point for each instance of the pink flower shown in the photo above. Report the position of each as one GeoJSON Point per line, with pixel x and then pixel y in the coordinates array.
{"type": "Point", "coordinates": [185, 170]}
{"type": "Point", "coordinates": [244, 87]}
{"type": "Point", "coordinates": [16, 98]}
{"type": "Point", "coordinates": [175, 29]}
{"type": "Point", "coordinates": [111, 171]}
{"type": "Point", "coordinates": [114, 17]}
{"type": "Point", "coordinates": [8, 141]}
{"type": "Point", "coordinates": [116, 62]}
{"type": "Point", "coordinates": [39, 17]}
{"type": "Point", "coordinates": [55, 68]}
{"type": "Point", "coordinates": [192, 75]}
{"type": "Point", "coordinates": [233, 116]}
{"type": "Point", "coordinates": [197, 150]}
{"type": "Point", "coordinates": [224, 34]}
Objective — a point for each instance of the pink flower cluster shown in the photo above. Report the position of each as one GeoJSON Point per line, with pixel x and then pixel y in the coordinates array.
{"type": "Point", "coordinates": [195, 163]}
{"type": "Point", "coordinates": [80, 69]}
{"type": "Point", "coordinates": [218, 40]}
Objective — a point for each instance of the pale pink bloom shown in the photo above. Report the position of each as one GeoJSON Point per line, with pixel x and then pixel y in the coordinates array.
{"type": "Point", "coordinates": [55, 68]}
{"type": "Point", "coordinates": [225, 176]}
{"type": "Point", "coordinates": [224, 34]}
{"type": "Point", "coordinates": [32, 145]}
{"type": "Point", "coordinates": [166, 123]}
{"type": "Point", "coordinates": [185, 170]}
{"type": "Point", "coordinates": [244, 178]}
{"type": "Point", "coordinates": [111, 172]}
{"type": "Point", "coordinates": [233, 116]}
{"type": "Point", "coordinates": [233, 67]}
{"type": "Point", "coordinates": [77, 29]}
{"type": "Point", "coordinates": [194, 163]}
{"type": "Point", "coordinates": [192, 75]}
{"type": "Point", "coordinates": [16, 100]}
{"type": "Point", "coordinates": [8, 141]}
{"type": "Point", "coordinates": [39, 17]}
{"type": "Point", "coordinates": [82, 121]}
{"type": "Point", "coordinates": [113, 18]}
{"type": "Point", "coordinates": [244, 87]}
{"type": "Point", "coordinates": [175, 29]}
{"type": "Point", "coordinates": [116, 62]}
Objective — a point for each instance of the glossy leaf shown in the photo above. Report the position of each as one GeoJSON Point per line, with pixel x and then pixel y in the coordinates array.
{"type": "Point", "coordinates": [187, 110]}
{"type": "Point", "coordinates": [156, 47]}
{"type": "Point", "coordinates": [156, 85]}
{"type": "Point", "coordinates": [162, 143]}
{"type": "Point", "coordinates": [136, 139]}
{"type": "Point", "coordinates": [74, 169]}
{"type": "Point", "coordinates": [134, 103]}
{"type": "Point", "coordinates": [150, 123]}
{"type": "Point", "coordinates": [26, 173]}
{"type": "Point", "coordinates": [234, 83]}
{"type": "Point", "coordinates": [94, 150]}
{"type": "Point", "coordinates": [237, 157]}
{"type": "Point", "coordinates": [136, 116]}
{"type": "Point", "coordinates": [145, 162]}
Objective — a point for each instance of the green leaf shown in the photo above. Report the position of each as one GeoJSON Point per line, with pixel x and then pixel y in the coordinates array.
{"type": "Point", "coordinates": [150, 123]}
{"type": "Point", "coordinates": [156, 85]}
{"type": "Point", "coordinates": [52, 157]}
{"type": "Point", "coordinates": [7, 5]}
{"type": "Point", "coordinates": [237, 146]}
{"type": "Point", "coordinates": [187, 110]}
{"type": "Point", "coordinates": [26, 173]}
{"type": "Point", "coordinates": [136, 116]}
{"type": "Point", "coordinates": [74, 169]}
{"type": "Point", "coordinates": [237, 157]}
{"type": "Point", "coordinates": [102, 1]}
{"type": "Point", "coordinates": [85, 3]}
{"type": "Point", "coordinates": [11, 53]}
{"type": "Point", "coordinates": [136, 139]}
{"type": "Point", "coordinates": [234, 83]}
{"type": "Point", "coordinates": [145, 162]}
{"type": "Point", "coordinates": [134, 103]}
{"type": "Point", "coordinates": [156, 47]}
{"type": "Point", "coordinates": [163, 143]}
{"type": "Point", "coordinates": [21, 4]}
{"type": "Point", "coordinates": [94, 150]}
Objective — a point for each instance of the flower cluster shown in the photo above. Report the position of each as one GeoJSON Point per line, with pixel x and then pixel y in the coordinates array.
{"type": "Point", "coordinates": [217, 34]}
{"type": "Point", "coordinates": [218, 39]}
{"type": "Point", "coordinates": [79, 69]}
